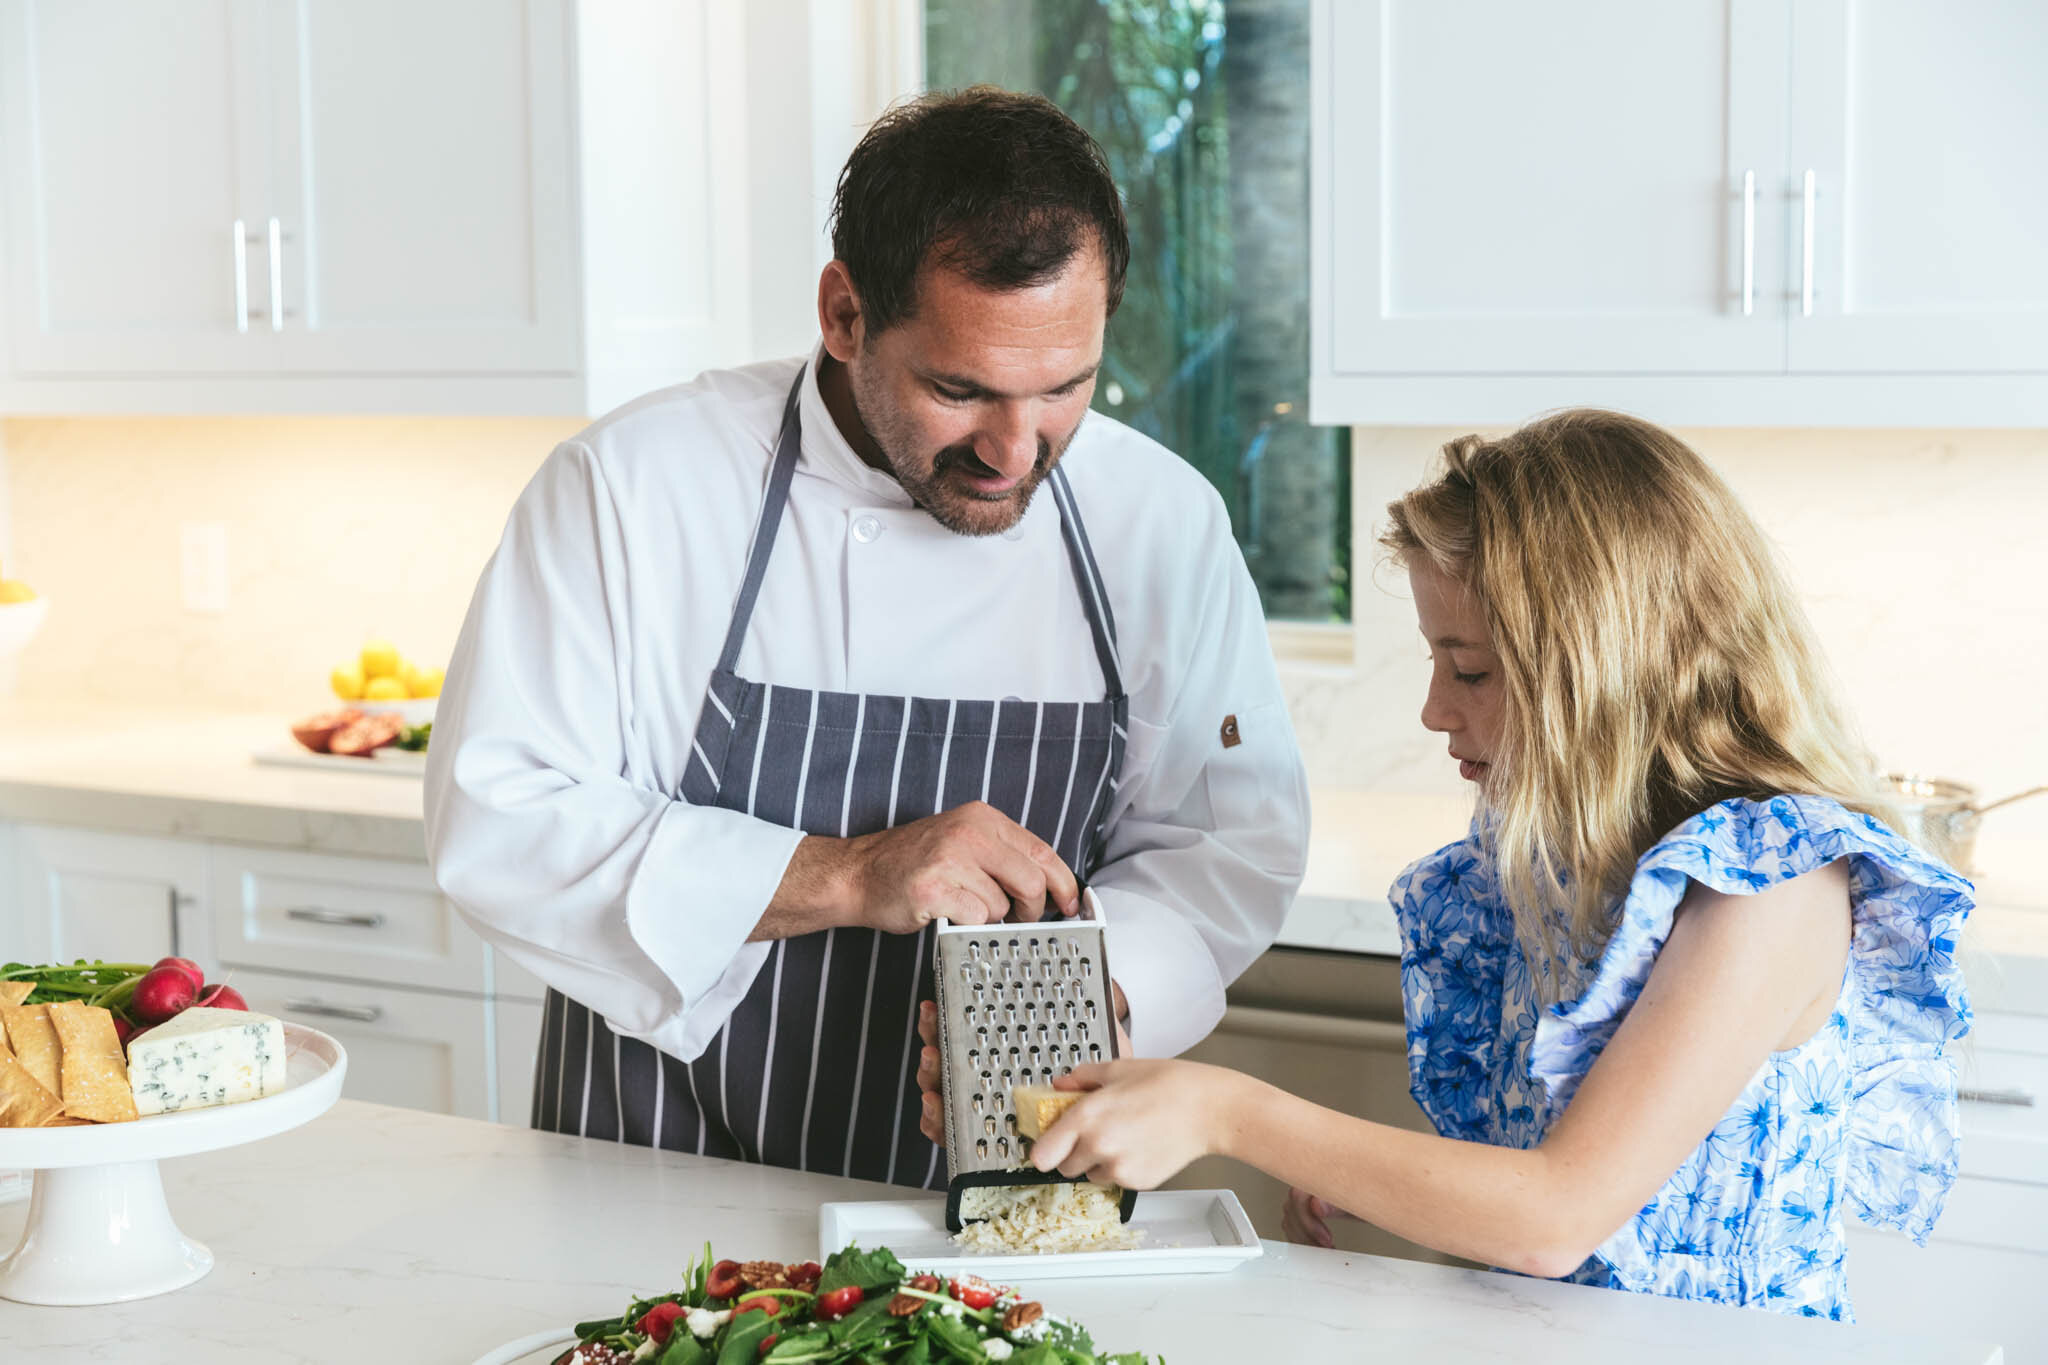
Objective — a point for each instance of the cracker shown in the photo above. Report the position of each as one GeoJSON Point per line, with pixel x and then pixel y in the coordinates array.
{"type": "Point", "coordinates": [35, 1044]}
{"type": "Point", "coordinates": [95, 1073]}
{"type": "Point", "coordinates": [24, 1103]}
{"type": "Point", "coordinates": [14, 992]}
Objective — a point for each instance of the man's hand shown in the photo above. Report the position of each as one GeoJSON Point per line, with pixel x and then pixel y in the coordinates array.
{"type": "Point", "coordinates": [970, 865]}
{"type": "Point", "coordinates": [931, 1119]}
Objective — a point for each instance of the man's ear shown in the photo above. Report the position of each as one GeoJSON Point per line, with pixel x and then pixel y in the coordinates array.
{"type": "Point", "coordinates": [839, 314]}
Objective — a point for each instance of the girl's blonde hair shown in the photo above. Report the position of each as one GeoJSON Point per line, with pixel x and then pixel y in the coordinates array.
{"type": "Point", "coordinates": [1654, 658]}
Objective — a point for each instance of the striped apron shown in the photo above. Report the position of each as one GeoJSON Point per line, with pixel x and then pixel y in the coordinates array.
{"type": "Point", "coordinates": [816, 1068]}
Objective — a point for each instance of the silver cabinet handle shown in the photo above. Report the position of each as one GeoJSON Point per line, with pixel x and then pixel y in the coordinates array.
{"type": "Point", "coordinates": [241, 276]}
{"type": "Point", "coordinates": [2014, 1097]}
{"type": "Point", "coordinates": [1748, 243]}
{"type": "Point", "coordinates": [361, 1014]}
{"type": "Point", "coordinates": [276, 277]}
{"type": "Point", "coordinates": [347, 919]}
{"type": "Point", "coordinates": [1806, 247]}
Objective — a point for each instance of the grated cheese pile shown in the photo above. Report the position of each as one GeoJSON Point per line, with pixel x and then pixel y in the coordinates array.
{"type": "Point", "coordinates": [1042, 1219]}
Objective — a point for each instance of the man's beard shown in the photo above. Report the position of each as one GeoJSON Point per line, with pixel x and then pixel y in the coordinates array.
{"type": "Point", "coordinates": [960, 510]}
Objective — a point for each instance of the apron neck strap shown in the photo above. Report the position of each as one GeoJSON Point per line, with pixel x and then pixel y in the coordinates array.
{"type": "Point", "coordinates": [789, 443]}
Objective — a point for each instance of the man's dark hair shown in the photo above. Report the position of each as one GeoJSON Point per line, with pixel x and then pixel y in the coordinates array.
{"type": "Point", "coordinates": [997, 185]}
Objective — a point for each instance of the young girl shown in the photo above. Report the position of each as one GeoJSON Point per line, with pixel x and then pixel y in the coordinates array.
{"type": "Point", "coordinates": [1681, 1000]}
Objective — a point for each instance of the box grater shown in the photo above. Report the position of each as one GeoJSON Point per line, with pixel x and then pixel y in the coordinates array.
{"type": "Point", "coordinates": [1018, 1004]}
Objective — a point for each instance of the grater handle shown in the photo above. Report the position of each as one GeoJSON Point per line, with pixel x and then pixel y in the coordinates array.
{"type": "Point", "coordinates": [1091, 913]}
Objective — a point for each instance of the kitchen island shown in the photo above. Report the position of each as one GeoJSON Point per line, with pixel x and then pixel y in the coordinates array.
{"type": "Point", "coordinates": [403, 1238]}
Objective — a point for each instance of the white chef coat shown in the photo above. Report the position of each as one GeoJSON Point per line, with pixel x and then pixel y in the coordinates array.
{"type": "Point", "coordinates": [554, 820]}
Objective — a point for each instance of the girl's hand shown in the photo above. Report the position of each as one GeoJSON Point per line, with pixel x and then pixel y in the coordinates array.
{"type": "Point", "coordinates": [1304, 1218]}
{"type": "Point", "coordinates": [1142, 1122]}
{"type": "Point", "coordinates": [931, 1114]}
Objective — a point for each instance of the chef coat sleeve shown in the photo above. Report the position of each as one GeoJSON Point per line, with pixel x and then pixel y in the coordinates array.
{"type": "Point", "coordinates": [636, 903]}
{"type": "Point", "coordinates": [1208, 833]}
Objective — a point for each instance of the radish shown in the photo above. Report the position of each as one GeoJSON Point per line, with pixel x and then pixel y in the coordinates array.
{"type": "Point", "coordinates": [161, 993]}
{"type": "Point", "coordinates": [223, 998]}
{"type": "Point", "coordinates": [188, 967]}
{"type": "Point", "coordinates": [123, 1030]}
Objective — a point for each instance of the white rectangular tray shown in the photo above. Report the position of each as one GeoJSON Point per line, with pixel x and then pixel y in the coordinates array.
{"type": "Point", "coordinates": [1187, 1232]}
{"type": "Point", "coordinates": [388, 762]}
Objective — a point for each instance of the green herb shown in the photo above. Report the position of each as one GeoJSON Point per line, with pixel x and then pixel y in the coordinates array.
{"type": "Point", "coordinates": [414, 737]}
{"type": "Point", "coordinates": [96, 983]}
{"type": "Point", "coordinates": [947, 1333]}
{"type": "Point", "coordinates": [868, 1269]}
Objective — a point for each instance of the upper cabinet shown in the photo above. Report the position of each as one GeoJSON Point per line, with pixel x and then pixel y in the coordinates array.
{"type": "Point", "coordinates": [464, 206]}
{"type": "Point", "coordinates": [1770, 212]}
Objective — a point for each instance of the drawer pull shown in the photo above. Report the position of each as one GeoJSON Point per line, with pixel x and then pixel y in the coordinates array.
{"type": "Point", "coordinates": [361, 1014]}
{"type": "Point", "coordinates": [2016, 1098]}
{"type": "Point", "coordinates": [348, 919]}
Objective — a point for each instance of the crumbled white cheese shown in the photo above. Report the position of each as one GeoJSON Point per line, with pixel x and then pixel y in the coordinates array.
{"type": "Point", "coordinates": [995, 1348]}
{"type": "Point", "coordinates": [953, 1308]}
{"type": "Point", "coordinates": [645, 1350]}
{"type": "Point", "coordinates": [1030, 1219]}
{"type": "Point", "coordinates": [704, 1323]}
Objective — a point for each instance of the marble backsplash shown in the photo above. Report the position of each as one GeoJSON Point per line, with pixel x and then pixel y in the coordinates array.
{"type": "Point", "coordinates": [1923, 556]}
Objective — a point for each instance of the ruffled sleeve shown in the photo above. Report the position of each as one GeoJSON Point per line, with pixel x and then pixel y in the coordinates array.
{"type": "Point", "coordinates": [1461, 971]}
{"type": "Point", "coordinates": [1907, 993]}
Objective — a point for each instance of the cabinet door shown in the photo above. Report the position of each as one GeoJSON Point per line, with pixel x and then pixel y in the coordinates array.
{"type": "Point", "coordinates": [128, 133]}
{"type": "Point", "coordinates": [1549, 189]}
{"type": "Point", "coordinates": [123, 898]}
{"type": "Point", "coordinates": [424, 186]}
{"type": "Point", "coordinates": [1947, 1290]}
{"type": "Point", "coordinates": [515, 1039]}
{"type": "Point", "coordinates": [1923, 129]}
{"type": "Point", "coordinates": [413, 1049]}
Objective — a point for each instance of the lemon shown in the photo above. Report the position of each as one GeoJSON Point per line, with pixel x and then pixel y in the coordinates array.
{"type": "Point", "coordinates": [347, 681]}
{"type": "Point", "coordinates": [13, 590]}
{"type": "Point", "coordinates": [427, 682]}
{"type": "Point", "coordinates": [384, 689]}
{"type": "Point", "coordinates": [380, 659]}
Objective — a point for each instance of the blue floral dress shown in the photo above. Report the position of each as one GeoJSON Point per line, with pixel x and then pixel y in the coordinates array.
{"type": "Point", "coordinates": [1859, 1118]}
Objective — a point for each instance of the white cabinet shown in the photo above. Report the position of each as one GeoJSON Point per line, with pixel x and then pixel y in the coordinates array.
{"type": "Point", "coordinates": [363, 948]}
{"type": "Point", "coordinates": [464, 206]}
{"type": "Point", "coordinates": [1705, 211]}
{"type": "Point", "coordinates": [128, 145]}
{"type": "Point", "coordinates": [1924, 129]}
{"type": "Point", "coordinates": [1598, 229]}
{"type": "Point", "coordinates": [117, 897]}
{"type": "Point", "coordinates": [414, 1049]}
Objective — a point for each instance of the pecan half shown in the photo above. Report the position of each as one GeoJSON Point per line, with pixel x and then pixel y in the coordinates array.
{"type": "Point", "coordinates": [928, 1283]}
{"type": "Point", "coordinates": [764, 1275]}
{"type": "Point", "coordinates": [1023, 1315]}
{"type": "Point", "coordinates": [904, 1305]}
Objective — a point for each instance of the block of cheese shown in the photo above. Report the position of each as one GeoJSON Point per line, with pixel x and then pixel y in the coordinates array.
{"type": "Point", "coordinates": [1038, 1105]}
{"type": "Point", "coordinates": [206, 1056]}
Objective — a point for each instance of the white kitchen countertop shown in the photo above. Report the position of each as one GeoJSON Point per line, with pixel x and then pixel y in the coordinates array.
{"type": "Point", "coordinates": [379, 1234]}
{"type": "Point", "coordinates": [185, 773]}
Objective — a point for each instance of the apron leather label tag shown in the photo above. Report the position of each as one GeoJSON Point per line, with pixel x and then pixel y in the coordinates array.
{"type": "Point", "coordinates": [1231, 738]}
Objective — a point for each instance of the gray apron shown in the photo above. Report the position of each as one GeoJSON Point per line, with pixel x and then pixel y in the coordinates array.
{"type": "Point", "coordinates": [816, 1069]}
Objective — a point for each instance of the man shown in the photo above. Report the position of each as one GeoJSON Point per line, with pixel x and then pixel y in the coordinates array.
{"type": "Point", "coordinates": [775, 668]}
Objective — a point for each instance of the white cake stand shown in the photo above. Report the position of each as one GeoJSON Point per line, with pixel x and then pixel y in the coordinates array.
{"type": "Point", "coordinates": [99, 1230]}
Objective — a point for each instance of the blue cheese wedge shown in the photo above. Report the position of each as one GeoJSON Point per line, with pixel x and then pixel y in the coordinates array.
{"type": "Point", "coordinates": [204, 1057]}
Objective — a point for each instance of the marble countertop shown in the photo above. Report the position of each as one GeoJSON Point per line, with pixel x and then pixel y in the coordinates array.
{"type": "Point", "coordinates": [379, 1234]}
{"type": "Point", "coordinates": [190, 774]}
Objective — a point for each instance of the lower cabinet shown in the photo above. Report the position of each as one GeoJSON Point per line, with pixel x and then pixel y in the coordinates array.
{"type": "Point", "coordinates": [1951, 1289]}
{"type": "Point", "coordinates": [365, 949]}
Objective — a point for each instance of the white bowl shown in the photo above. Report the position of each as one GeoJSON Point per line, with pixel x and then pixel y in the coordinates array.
{"type": "Point", "coordinates": [19, 622]}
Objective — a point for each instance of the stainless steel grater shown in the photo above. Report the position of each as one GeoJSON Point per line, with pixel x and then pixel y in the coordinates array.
{"type": "Point", "coordinates": [1018, 1004]}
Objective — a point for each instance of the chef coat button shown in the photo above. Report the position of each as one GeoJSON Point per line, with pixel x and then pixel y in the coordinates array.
{"type": "Point", "coordinates": [866, 529]}
{"type": "Point", "coordinates": [1015, 532]}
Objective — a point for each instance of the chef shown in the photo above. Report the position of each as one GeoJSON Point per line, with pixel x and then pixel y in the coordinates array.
{"type": "Point", "coordinates": [775, 668]}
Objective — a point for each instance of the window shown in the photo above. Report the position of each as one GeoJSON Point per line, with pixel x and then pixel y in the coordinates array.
{"type": "Point", "coordinates": [1202, 107]}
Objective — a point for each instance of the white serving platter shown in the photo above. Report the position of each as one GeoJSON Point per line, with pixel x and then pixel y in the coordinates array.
{"type": "Point", "coordinates": [533, 1350]}
{"type": "Point", "coordinates": [1187, 1232]}
{"type": "Point", "coordinates": [390, 762]}
{"type": "Point", "coordinates": [98, 1229]}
